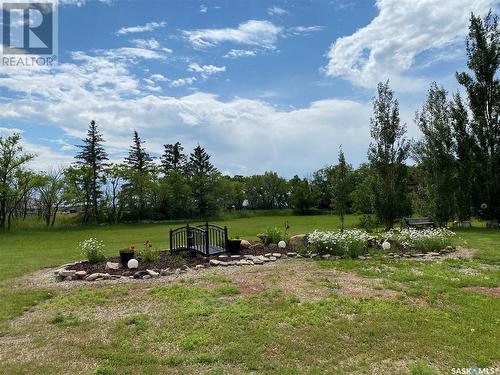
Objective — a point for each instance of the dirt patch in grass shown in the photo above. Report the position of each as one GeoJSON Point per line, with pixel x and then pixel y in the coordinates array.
{"type": "Point", "coordinates": [307, 281]}
{"type": "Point", "coordinates": [495, 292]}
{"type": "Point", "coordinates": [461, 253]}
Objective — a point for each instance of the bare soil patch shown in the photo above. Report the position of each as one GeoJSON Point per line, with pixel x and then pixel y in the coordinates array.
{"type": "Point", "coordinates": [495, 292]}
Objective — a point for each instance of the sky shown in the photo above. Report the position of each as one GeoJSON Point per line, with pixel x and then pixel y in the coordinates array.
{"type": "Point", "coordinates": [261, 85]}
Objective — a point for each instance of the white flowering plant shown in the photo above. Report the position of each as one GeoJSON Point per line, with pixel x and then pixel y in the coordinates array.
{"type": "Point", "coordinates": [93, 250]}
{"type": "Point", "coordinates": [422, 240]}
{"type": "Point", "coordinates": [349, 243]}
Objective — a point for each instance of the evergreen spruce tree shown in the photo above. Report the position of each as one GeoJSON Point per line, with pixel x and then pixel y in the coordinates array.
{"type": "Point", "coordinates": [483, 90]}
{"type": "Point", "coordinates": [173, 159]}
{"type": "Point", "coordinates": [93, 157]}
{"type": "Point", "coordinates": [387, 155]}
{"type": "Point", "coordinates": [138, 159]}
{"type": "Point", "coordinates": [140, 167]}
{"type": "Point", "coordinates": [201, 173]}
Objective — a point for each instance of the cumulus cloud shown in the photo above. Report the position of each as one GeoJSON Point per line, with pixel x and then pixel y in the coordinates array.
{"type": "Point", "coordinates": [203, 8]}
{"type": "Point", "coordinates": [206, 70]}
{"type": "Point", "coordinates": [234, 53]}
{"type": "Point", "coordinates": [253, 32]}
{"type": "Point", "coordinates": [150, 26]}
{"type": "Point", "coordinates": [183, 82]}
{"type": "Point", "coordinates": [275, 10]}
{"type": "Point", "coordinates": [388, 46]}
{"type": "Point", "coordinates": [243, 135]}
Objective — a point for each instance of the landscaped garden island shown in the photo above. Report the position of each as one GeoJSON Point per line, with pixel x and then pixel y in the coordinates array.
{"type": "Point", "coordinates": [209, 246]}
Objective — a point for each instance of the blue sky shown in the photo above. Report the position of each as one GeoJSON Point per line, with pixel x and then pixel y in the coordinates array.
{"type": "Point", "coordinates": [261, 85]}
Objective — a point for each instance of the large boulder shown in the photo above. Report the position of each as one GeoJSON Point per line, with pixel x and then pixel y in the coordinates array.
{"type": "Point", "coordinates": [298, 240]}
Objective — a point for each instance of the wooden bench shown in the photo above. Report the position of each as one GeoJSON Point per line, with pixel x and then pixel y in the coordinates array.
{"type": "Point", "coordinates": [418, 222]}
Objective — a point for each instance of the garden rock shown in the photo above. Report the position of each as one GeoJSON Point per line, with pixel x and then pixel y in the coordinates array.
{"type": "Point", "coordinates": [298, 240]}
{"type": "Point", "coordinates": [166, 272]}
{"type": "Point", "coordinates": [199, 266]}
{"type": "Point", "coordinates": [276, 255]}
{"type": "Point", "coordinates": [152, 273]}
{"type": "Point", "coordinates": [326, 256]}
{"type": "Point", "coordinates": [215, 262]}
{"type": "Point", "coordinates": [291, 254]}
{"type": "Point", "coordinates": [112, 266]}
{"type": "Point", "coordinates": [81, 274]}
{"type": "Point", "coordinates": [67, 273]}
{"type": "Point", "coordinates": [96, 276]}
{"type": "Point", "coordinates": [258, 261]}
{"type": "Point", "coordinates": [273, 246]}
{"type": "Point", "coordinates": [244, 244]}
{"type": "Point", "coordinates": [272, 259]}
{"type": "Point", "coordinates": [141, 275]}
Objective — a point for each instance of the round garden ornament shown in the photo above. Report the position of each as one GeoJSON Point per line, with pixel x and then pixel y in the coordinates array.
{"type": "Point", "coordinates": [282, 244]}
{"type": "Point", "coordinates": [386, 245]}
{"type": "Point", "coordinates": [133, 263]}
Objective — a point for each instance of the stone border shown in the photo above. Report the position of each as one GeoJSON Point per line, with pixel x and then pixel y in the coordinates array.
{"type": "Point", "coordinates": [63, 274]}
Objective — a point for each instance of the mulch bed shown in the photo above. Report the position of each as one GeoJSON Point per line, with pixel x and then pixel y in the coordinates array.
{"type": "Point", "coordinates": [170, 261]}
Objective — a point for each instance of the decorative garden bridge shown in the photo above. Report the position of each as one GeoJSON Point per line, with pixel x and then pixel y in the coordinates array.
{"type": "Point", "coordinates": [207, 238]}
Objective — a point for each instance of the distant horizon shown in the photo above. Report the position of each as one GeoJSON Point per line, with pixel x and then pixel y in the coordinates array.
{"type": "Point", "coordinates": [261, 86]}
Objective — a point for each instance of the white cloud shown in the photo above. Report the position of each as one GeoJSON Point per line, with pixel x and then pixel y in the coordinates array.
{"type": "Point", "coordinates": [300, 30]}
{"type": "Point", "coordinates": [158, 77]}
{"type": "Point", "coordinates": [150, 26]}
{"type": "Point", "coordinates": [253, 32]}
{"type": "Point", "coordinates": [203, 8]}
{"type": "Point", "coordinates": [388, 45]}
{"type": "Point", "coordinates": [151, 43]}
{"type": "Point", "coordinates": [206, 70]}
{"type": "Point", "coordinates": [243, 135]}
{"type": "Point", "coordinates": [275, 10]}
{"type": "Point", "coordinates": [183, 82]}
{"type": "Point", "coordinates": [234, 53]}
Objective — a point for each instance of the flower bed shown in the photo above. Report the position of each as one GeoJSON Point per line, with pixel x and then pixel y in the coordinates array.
{"type": "Point", "coordinates": [350, 243]}
{"type": "Point", "coordinates": [422, 241]}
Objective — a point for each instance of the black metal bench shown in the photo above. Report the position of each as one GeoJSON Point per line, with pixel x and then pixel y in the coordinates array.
{"type": "Point", "coordinates": [418, 222]}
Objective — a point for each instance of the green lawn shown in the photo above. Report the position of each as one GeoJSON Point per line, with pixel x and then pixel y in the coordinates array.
{"type": "Point", "coordinates": [292, 317]}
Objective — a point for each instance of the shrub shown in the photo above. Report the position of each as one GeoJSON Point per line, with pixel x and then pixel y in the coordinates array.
{"type": "Point", "coordinates": [350, 243]}
{"type": "Point", "coordinates": [148, 253]}
{"type": "Point", "coordinates": [93, 250]}
{"type": "Point", "coordinates": [274, 235]}
{"type": "Point", "coordinates": [367, 222]}
{"type": "Point", "coordinates": [425, 240]}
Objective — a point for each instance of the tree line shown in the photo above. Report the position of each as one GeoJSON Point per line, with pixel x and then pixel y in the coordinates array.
{"type": "Point", "coordinates": [456, 174]}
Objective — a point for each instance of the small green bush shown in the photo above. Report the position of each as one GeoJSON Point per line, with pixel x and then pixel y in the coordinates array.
{"type": "Point", "coordinates": [275, 235]}
{"type": "Point", "coordinates": [93, 250]}
{"type": "Point", "coordinates": [368, 223]}
{"type": "Point", "coordinates": [148, 253]}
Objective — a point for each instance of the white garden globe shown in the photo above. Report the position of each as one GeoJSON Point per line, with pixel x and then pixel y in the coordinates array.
{"type": "Point", "coordinates": [133, 263]}
{"type": "Point", "coordinates": [386, 245]}
{"type": "Point", "coordinates": [282, 244]}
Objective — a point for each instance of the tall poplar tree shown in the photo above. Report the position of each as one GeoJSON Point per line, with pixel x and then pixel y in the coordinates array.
{"type": "Point", "coordinates": [387, 155]}
{"type": "Point", "coordinates": [434, 153]}
{"type": "Point", "coordinates": [483, 91]}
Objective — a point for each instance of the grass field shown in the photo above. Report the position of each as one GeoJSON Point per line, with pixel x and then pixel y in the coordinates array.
{"type": "Point", "coordinates": [292, 317]}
